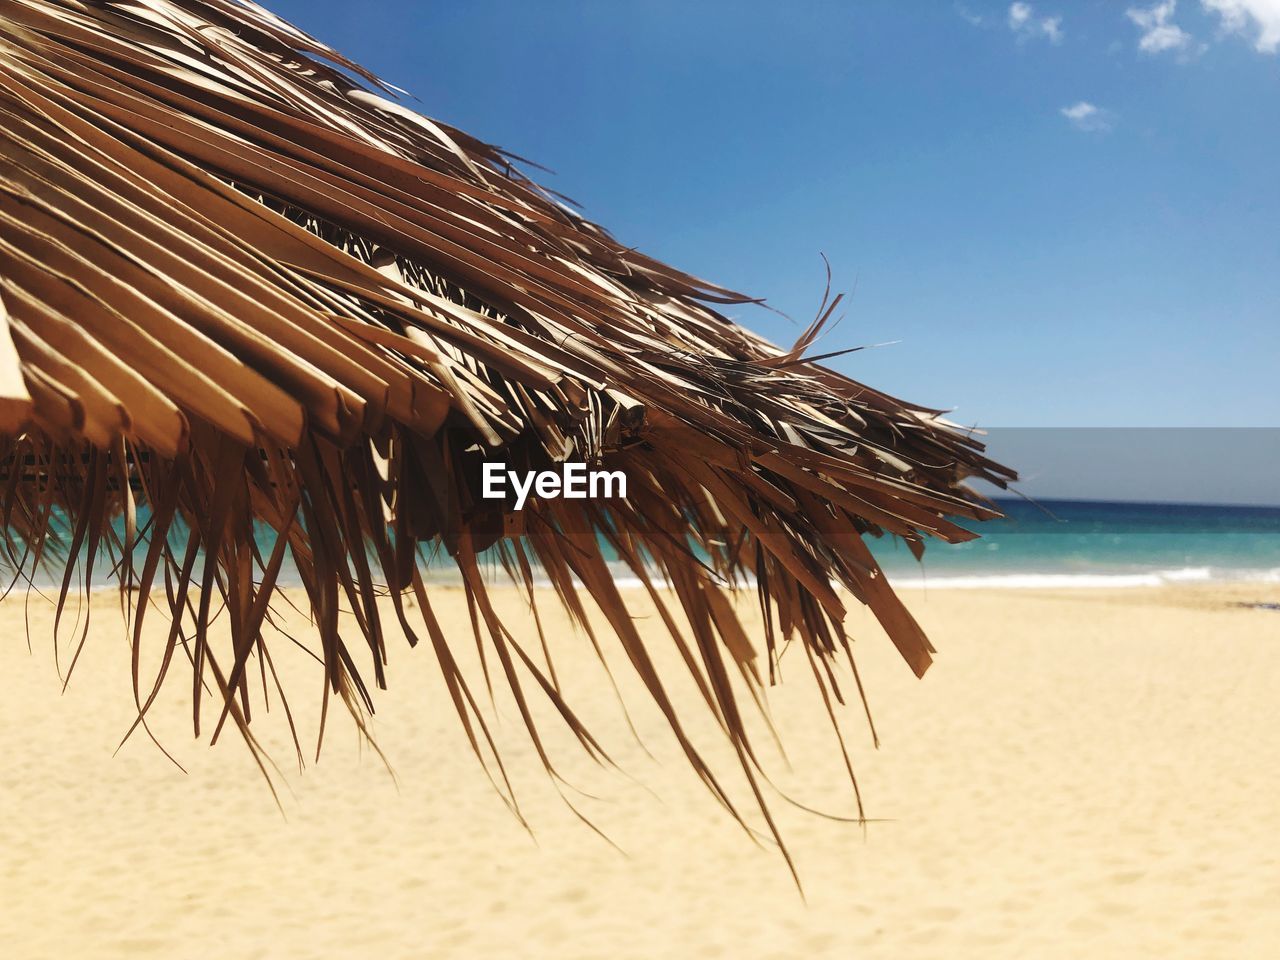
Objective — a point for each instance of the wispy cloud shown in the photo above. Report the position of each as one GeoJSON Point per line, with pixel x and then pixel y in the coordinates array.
{"type": "Point", "coordinates": [1250, 16]}
{"type": "Point", "coordinates": [1159, 32]}
{"type": "Point", "coordinates": [1019, 15]}
{"type": "Point", "coordinates": [968, 16]}
{"type": "Point", "coordinates": [1028, 25]}
{"type": "Point", "coordinates": [1088, 117]}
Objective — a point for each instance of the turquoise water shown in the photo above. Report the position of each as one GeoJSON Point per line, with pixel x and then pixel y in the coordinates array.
{"type": "Point", "coordinates": [1050, 543]}
{"type": "Point", "coordinates": [1101, 543]}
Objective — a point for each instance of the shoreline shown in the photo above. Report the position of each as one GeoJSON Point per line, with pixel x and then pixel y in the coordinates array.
{"type": "Point", "coordinates": [1199, 576]}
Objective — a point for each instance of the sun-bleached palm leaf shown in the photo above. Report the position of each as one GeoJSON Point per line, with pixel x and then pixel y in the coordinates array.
{"type": "Point", "coordinates": [242, 284]}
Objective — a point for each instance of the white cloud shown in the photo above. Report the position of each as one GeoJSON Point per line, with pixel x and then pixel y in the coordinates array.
{"type": "Point", "coordinates": [1242, 16]}
{"type": "Point", "coordinates": [1159, 32]}
{"type": "Point", "coordinates": [1087, 117]}
{"type": "Point", "coordinates": [1024, 21]}
{"type": "Point", "coordinates": [968, 16]}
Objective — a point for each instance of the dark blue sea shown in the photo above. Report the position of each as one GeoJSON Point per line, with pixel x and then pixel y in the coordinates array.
{"type": "Point", "coordinates": [1099, 543]}
{"type": "Point", "coordinates": [1049, 543]}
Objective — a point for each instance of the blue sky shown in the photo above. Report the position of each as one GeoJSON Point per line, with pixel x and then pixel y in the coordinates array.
{"type": "Point", "coordinates": [1065, 213]}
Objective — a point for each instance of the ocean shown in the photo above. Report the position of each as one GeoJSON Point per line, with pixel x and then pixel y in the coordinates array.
{"type": "Point", "coordinates": [1049, 543]}
{"type": "Point", "coordinates": [1083, 543]}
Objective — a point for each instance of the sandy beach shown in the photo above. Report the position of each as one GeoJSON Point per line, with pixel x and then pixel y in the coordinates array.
{"type": "Point", "coordinates": [1086, 773]}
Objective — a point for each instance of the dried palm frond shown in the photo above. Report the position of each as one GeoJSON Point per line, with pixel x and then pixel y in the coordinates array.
{"type": "Point", "coordinates": [242, 285]}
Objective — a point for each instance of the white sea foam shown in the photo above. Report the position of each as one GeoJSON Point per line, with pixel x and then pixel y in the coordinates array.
{"type": "Point", "coordinates": [1049, 581]}
{"type": "Point", "coordinates": [624, 579]}
{"type": "Point", "coordinates": [1187, 575]}
{"type": "Point", "coordinates": [1076, 581]}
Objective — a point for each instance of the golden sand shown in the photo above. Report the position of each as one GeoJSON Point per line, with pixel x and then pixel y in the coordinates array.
{"type": "Point", "coordinates": [1082, 774]}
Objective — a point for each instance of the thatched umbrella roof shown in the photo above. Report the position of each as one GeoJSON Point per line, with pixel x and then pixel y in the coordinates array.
{"type": "Point", "coordinates": [243, 284]}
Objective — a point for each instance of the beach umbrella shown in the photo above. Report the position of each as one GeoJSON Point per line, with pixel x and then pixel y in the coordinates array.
{"type": "Point", "coordinates": [246, 289]}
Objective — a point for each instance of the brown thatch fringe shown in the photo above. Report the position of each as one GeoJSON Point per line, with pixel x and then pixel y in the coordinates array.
{"type": "Point", "coordinates": [239, 287]}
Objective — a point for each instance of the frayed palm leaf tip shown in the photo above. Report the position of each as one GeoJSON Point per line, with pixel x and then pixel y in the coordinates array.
{"type": "Point", "coordinates": [242, 285]}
